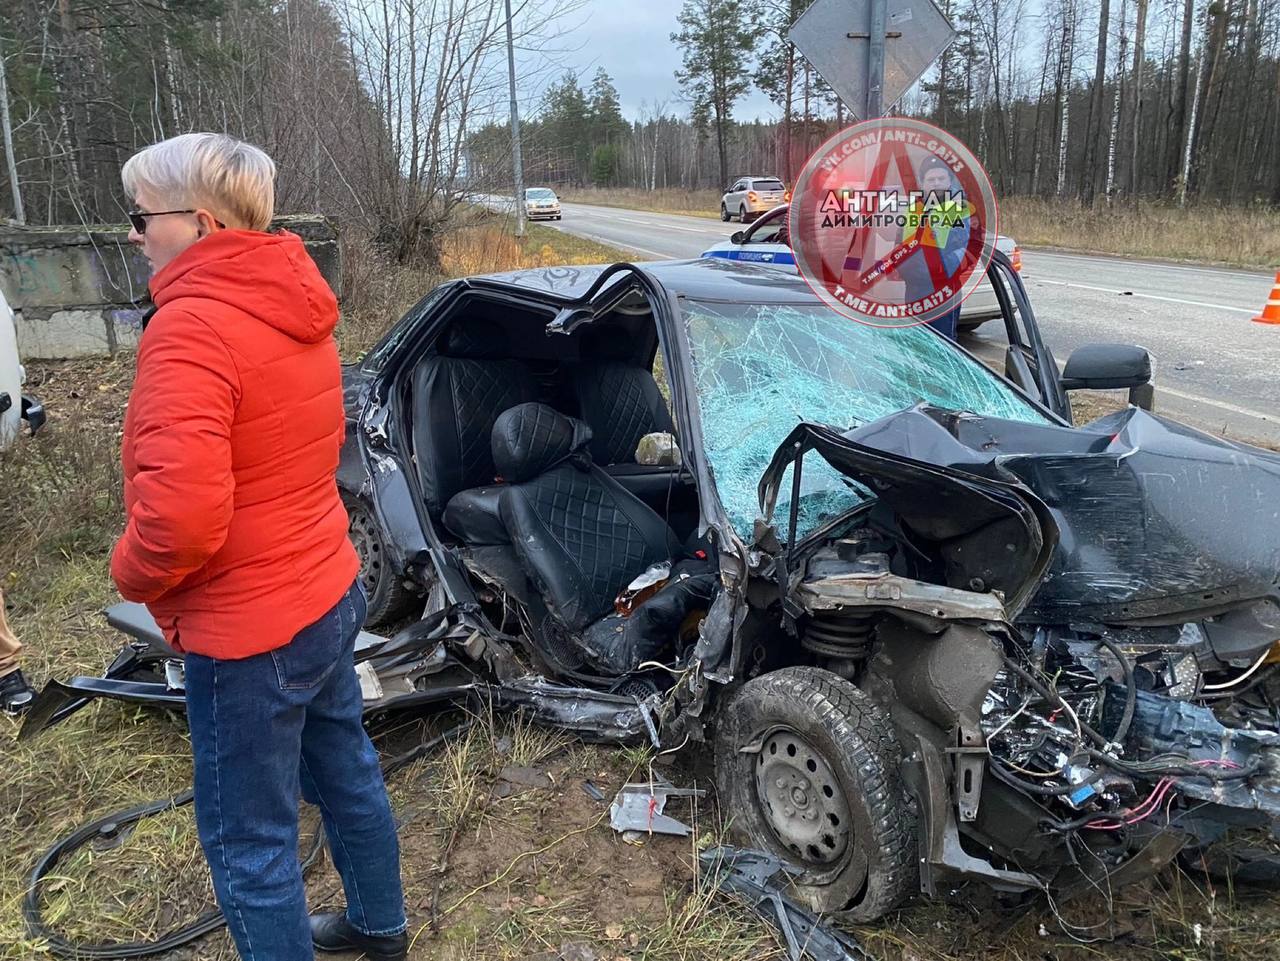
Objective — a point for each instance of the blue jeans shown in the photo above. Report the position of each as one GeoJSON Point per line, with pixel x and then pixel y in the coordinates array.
{"type": "Point", "coordinates": [261, 729]}
{"type": "Point", "coordinates": [946, 323]}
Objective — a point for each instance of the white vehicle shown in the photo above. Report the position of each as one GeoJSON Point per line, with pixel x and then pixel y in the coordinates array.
{"type": "Point", "coordinates": [767, 242]}
{"type": "Point", "coordinates": [541, 202]}
{"type": "Point", "coordinates": [14, 407]}
{"type": "Point", "coordinates": [748, 197]}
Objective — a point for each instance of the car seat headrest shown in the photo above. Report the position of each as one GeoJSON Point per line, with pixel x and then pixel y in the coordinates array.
{"type": "Point", "coordinates": [606, 342]}
{"type": "Point", "coordinates": [530, 439]}
{"type": "Point", "coordinates": [475, 338]}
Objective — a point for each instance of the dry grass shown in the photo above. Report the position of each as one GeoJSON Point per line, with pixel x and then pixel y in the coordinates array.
{"type": "Point", "coordinates": [1238, 236]}
{"type": "Point", "coordinates": [693, 203]}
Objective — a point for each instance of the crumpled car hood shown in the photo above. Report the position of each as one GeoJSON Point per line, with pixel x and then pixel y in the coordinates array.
{"type": "Point", "coordinates": [993, 534]}
{"type": "Point", "coordinates": [1157, 521]}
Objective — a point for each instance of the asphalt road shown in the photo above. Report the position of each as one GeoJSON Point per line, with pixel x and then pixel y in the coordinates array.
{"type": "Point", "coordinates": [1215, 368]}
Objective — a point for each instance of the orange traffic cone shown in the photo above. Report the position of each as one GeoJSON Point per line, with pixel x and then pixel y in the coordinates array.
{"type": "Point", "coordinates": [1271, 313]}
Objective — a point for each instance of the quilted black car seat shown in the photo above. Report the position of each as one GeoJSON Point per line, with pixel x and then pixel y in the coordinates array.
{"type": "Point", "coordinates": [618, 398]}
{"type": "Point", "coordinates": [580, 536]}
{"type": "Point", "coordinates": [457, 396]}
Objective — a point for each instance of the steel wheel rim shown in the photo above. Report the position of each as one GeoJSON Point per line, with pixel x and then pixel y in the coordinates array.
{"type": "Point", "coordinates": [801, 801]}
{"type": "Point", "coordinates": [364, 538]}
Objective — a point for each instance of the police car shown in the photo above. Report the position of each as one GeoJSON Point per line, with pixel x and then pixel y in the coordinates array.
{"type": "Point", "coordinates": [767, 242]}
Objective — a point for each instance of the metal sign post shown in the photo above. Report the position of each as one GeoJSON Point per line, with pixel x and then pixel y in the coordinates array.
{"type": "Point", "coordinates": [875, 59]}
{"type": "Point", "coordinates": [870, 52]}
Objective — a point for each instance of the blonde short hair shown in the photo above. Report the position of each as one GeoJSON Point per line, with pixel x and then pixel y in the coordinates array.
{"type": "Point", "coordinates": [231, 179]}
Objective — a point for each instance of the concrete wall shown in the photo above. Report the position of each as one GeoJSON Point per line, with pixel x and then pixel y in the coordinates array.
{"type": "Point", "coordinates": [78, 293]}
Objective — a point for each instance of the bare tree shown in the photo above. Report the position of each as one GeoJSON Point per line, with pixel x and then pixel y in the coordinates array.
{"type": "Point", "coordinates": [11, 161]}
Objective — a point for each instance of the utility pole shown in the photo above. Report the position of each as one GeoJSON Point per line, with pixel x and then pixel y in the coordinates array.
{"type": "Point", "coordinates": [515, 129]}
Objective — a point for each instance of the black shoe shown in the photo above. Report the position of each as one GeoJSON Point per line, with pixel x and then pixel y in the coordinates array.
{"type": "Point", "coordinates": [16, 695]}
{"type": "Point", "coordinates": [331, 931]}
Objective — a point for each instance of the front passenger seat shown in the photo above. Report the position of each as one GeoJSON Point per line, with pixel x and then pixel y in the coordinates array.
{"type": "Point", "coordinates": [581, 538]}
{"type": "Point", "coordinates": [619, 399]}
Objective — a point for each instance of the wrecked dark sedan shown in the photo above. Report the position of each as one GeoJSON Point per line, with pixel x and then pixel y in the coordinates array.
{"type": "Point", "coordinates": [933, 632]}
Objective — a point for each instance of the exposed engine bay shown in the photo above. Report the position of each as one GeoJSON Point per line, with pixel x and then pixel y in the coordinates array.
{"type": "Point", "coordinates": [1043, 746]}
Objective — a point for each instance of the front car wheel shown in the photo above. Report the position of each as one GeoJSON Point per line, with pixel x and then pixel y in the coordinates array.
{"type": "Point", "coordinates": [818, 785]}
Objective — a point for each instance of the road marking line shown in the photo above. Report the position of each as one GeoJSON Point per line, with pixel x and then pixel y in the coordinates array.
{"type": "Point", "coordinates": [1240, 272]}
{"type": "Point", "coordinates": [1134, 293]}
{"type": "Point", "coordinates": [651, 223]}
{"type": "Point", "coordinates": [692, 230]}
{"type": "Point", "coordinates": [1234, 408]}
{"type": "Point", "coordinates": [995, 353]}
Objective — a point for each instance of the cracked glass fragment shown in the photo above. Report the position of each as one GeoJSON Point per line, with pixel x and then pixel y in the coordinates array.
{"type": "Point", "coordinates": [760, 369]}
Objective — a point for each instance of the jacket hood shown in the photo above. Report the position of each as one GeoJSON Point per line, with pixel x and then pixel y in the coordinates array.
{"type": "Point", "coordinates": [269, 276]}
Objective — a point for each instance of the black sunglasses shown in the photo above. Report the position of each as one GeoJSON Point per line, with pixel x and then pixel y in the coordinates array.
{"type": "Point", "coordinates": [139, 219]}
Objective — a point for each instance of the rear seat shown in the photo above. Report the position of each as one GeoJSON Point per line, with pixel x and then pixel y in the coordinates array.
{"type": "Point", "coordinates": [457, 395]}
{"type": "Point", "coordinates": [617, 398]}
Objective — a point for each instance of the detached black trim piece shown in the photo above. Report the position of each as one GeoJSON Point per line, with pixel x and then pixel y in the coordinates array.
{"type": "Point", "coordinates": [32, 412]}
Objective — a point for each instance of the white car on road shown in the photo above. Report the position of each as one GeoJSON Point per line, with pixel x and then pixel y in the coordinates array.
{"type": "Point", "coordinates": [14, 407]}
{"type": "Point", "coordinates": [541, 202]}
{"type": "Point", "coordinates": [767, 242]}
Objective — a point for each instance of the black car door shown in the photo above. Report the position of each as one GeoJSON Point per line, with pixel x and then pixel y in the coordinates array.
{"type": "Point", "coordinates": [1029, 363]}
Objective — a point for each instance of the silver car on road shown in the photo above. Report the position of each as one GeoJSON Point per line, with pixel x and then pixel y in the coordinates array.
{"type": "Point", "coordinates": [748, 197]}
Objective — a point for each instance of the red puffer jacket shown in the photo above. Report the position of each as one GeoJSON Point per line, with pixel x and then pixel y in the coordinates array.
{"type": "Point", "coordinates": [236, 538]}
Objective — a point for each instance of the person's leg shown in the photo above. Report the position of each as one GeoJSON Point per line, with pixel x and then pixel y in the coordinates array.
{"type": "Point", "coordinates": [245, 737]}
{"type": "Point", "coordinates": [16, 694]}
{"type": "Point", "coordinates": [946, 324]}
{"type": "Point", "coordinates": [10, 648]}
{"type": "Point", "coordinates": [341, 775]}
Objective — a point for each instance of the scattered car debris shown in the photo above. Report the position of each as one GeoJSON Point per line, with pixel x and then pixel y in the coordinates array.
{"type": "Point", "coordinates": [525, 776]}
{"type": "Point", "coordinates": [513, 780]}
{"type": "Point", "coordinates": [592, 791]}
{"type": "Point", "coordinates": [638, 807]}
{"type": "Point", "coordinates": [750, 873]}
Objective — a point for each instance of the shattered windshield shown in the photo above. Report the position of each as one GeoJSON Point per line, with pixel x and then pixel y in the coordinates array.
{"type": "Point", "coordinates": [760, 369]}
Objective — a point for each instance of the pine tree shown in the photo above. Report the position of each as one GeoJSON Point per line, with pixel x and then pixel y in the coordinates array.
{"type": "Point", "coordinates": [717, 39]}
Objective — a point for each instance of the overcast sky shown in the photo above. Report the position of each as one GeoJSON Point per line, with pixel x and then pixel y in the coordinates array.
{"type": "Point", "coordinates": [635, 48]}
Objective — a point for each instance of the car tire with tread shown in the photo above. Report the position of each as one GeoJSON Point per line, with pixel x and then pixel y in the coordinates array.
{"type": "Point", "coordinates": [724, 213]}
{"type": "Point", "coordinates": [389, 598]}
{"type": "Point", "coordinates": [854, 745]}
{"type": "Point", "coordinates": [742, 214]}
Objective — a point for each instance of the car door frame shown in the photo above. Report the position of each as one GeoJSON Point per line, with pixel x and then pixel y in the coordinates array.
{"type": "Point", "coordinates": [1029, 365]}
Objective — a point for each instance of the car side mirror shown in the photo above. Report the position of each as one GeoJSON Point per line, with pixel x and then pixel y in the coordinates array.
{"type": "Point", "coordinates": [1111, 367]}
{"type": "Point", "coordinates": [738, 236]}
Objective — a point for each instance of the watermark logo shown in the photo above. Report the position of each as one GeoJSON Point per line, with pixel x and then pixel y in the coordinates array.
{"type": "Point", "coordinates": [893, 222]}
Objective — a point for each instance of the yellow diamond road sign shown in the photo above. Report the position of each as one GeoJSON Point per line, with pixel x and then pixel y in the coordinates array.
{"type": "Point", "coordinates": [834, 36]}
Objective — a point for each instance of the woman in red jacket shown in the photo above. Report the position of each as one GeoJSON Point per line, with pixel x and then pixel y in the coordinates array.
{"type": "Point", "coordinates": [236, 540]}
